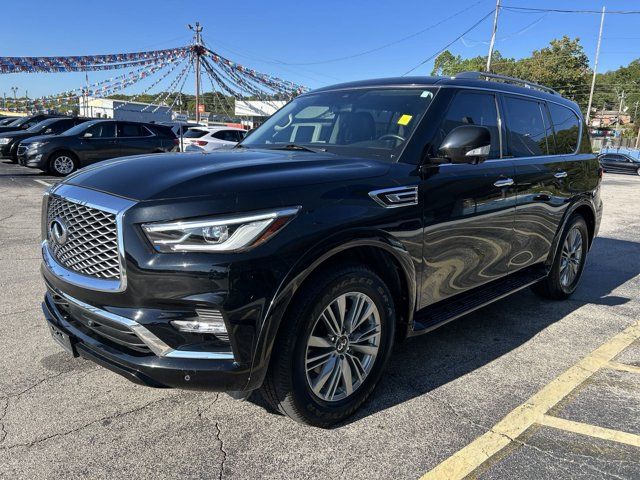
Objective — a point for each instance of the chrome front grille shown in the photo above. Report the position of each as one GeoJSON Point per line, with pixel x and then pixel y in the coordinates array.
{"type": "Point", "coordinates": [91, 244]}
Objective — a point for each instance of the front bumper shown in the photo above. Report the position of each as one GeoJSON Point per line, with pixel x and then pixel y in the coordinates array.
{"type": "Point", "coordinates": [33, 159]}
{"type": "Point", "coordinates": [168, 368]}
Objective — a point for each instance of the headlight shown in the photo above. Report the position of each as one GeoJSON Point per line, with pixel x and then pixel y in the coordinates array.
{"type": "Point", "coordinates": [35, 145]}
{"type": "Point", "coordinates": [223, 234]}
{"type": "Point", "coordinates": [4, 140]}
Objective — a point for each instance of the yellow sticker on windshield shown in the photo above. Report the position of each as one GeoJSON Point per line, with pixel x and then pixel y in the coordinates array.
{"type": "Point", "coordinates": [405, 119]}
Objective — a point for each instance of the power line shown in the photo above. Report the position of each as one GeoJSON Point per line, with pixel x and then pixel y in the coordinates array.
{"type": "Point", "coordinates": [395, 42]}
{"type": "Point", "coordinates": [559, 10]}
{"type": "Point", "coordinates": [450, 43]}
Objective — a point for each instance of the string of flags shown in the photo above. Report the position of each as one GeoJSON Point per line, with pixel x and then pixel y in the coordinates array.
{"type": "Point", "coordinates": [231, 79]}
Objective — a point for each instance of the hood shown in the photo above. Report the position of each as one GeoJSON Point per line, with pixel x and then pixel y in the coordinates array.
{"type": "Point", "coordinates": [40, 138]}
{"type": "Point", "coordinates": [16, 134]}
{"type": "Point", "coordinates": [179, 175]}
{"type": "Point", "coordinates": [10, 129]}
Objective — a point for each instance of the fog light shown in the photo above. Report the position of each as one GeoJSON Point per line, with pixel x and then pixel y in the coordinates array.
{"type": "Point", "coordinates": [208, 321]}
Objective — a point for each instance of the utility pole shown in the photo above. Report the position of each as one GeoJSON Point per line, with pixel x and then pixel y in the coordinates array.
{"type": "Point", "coordinates": [619, 111]}
{"type": "Point", "coordinates": [493, 35]}
{"type": "Point", "coordinates": [197, 51]}
{"type": "Point", "coordinates": [595, 68]}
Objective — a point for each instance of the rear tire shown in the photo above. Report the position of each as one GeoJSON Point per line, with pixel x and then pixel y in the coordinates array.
{"type": "Point", "coordinates": [62, 164]}
{"type": "Point", "coordinates": [321, 372]}
{"type": "Point", "coordinates": [569, 261]}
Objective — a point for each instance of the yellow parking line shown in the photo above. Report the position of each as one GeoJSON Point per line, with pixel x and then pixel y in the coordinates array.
{"type": "Point", "coordinates": [623, 367]}
{"type": "Point", "coordinates": [466, 460]}
{"type": "Point", "coordinates": [591, 430]}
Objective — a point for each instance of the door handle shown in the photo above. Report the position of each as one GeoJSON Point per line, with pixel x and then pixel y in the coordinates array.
{"type": "Point", "coordinates": [560, 174]}
{"type": "Point", "coordinates": [503, 182]}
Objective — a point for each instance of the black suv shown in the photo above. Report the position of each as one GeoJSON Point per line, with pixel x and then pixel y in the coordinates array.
{"type": "Point", "coordinates": [52, 126]}
{"type": "Point", "coordinates": [92, 142]}
{"type": "Point", "coordinates": [23, 123]}
{"type": "Point", "coordinates": [619, 163]}
{"type": "Point", "coordinates": [357, 215]}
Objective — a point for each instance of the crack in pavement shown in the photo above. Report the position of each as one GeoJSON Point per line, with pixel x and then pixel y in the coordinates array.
{"type": "Point", "coordinates": [3, 431]}
{"type": "Point", "coordinates": [86, 425]}
{"type": "Point", "coordinates": [218, 435]}
{"type": "Point", "coordinates": [224, 452]}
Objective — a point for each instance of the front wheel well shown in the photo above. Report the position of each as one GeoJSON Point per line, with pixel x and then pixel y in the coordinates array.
{"type": "Point", "coordinates": [383, 264]}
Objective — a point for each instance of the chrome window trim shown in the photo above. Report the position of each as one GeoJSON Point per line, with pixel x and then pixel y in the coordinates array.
{"type": "Point", "coordinates": [99, 201]}
{"type": "Point", "coordinates": [156, 345]}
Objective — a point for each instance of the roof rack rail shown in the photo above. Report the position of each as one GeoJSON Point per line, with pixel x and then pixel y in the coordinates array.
{"type": "Point", "coordinates": [503, 78]}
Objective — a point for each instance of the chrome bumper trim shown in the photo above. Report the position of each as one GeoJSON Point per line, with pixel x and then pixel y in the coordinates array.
{"type": "Point", "coordinates": [156, 345]}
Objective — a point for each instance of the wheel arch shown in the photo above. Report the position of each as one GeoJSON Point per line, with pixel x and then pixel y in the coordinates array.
{"type": "Point", "coordinates": [381, 252]}
{"type": "Point", "coordinates": [583, 207]}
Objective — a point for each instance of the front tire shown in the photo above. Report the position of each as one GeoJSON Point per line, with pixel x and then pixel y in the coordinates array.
{"type": "Point", "coordinates": [638, 171]}
{"type": "Point", "coordinates": [569, 262]}
{"type": "Point", "coordinates": [332, 347]}
{"type": "Point", "coordinates": [62, 164]}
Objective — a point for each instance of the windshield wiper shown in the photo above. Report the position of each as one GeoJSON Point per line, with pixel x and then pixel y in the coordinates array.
{"type": "Point", "coordinates": [302, 148]}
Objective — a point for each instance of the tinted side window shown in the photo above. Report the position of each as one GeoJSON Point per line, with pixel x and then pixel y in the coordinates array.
{"type": "Point", "coordinates": [469, 108]}
{"type": "Point", "coordinates": [129, 130]}
{"type": "Point", "coordinates": [61, 126]}
{"type": "Point", "coordinates": [525, 128]}
{"type": "Point", "coordinates": [102, 130]}
{"type": "Point", "coordinates": [227, 135]}
{"type": "Point", "coordinates": [567, 127]}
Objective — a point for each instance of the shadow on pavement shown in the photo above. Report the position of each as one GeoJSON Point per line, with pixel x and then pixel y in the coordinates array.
{"type": "Point", "coordinates": [424, 363]}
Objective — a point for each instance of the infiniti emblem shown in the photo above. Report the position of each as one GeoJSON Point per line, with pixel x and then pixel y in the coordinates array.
{"type": "Point", "coordinates": [58, 231]}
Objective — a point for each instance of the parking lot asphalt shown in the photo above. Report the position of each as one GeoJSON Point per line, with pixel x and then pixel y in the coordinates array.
{"type": "Point", "coordinates": [523, 388]}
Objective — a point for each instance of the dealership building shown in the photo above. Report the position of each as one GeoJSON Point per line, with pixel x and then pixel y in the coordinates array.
{"type": "Point", "coordinates": [123, 110]}
{"type": "Point", "coordinates": [255, 112]}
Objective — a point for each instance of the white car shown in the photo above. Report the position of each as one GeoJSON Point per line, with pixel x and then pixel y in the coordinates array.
{"type": "Point", "coordinates": [208, 139]}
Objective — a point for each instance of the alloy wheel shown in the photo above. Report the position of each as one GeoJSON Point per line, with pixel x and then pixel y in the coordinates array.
{"type": "Point", "coordinates": [342, 347]}
{"type": "Point", "coordinates": [571, 258]}
{"type": "Point", "coordinates": [63, 165]}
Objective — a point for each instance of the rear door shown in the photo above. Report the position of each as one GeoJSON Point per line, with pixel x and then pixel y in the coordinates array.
{"type": "Point", "coordinates": [543, 140]}
{"type": "Point", "coordinates": [469, 209]}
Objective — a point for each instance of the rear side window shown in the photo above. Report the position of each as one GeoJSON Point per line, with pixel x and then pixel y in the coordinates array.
{"type": "Point", "coordinates": [566, 124]}
{"type": "Point", "coordinates": [130, 130]}
{"type": "Point", "coordinates": [469, 108]}
{"type": "Point", "coordinates": [227, 135]}
{"type": "Point", "coordinates": [194, 133]}
{"type": "Point", "coordinates": [526, 130]}
{"type": "Point", "coordinates": [62, 126]}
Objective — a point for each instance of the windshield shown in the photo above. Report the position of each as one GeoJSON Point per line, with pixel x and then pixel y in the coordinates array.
{"type": "Point", "coordinates": [18, 122]}
{"type": "Point", "coordinates": [41, 126]}
{"type": "Point", "coordinates": [374, 122]}
{"type": "Point", "coordinates": [81, 127]}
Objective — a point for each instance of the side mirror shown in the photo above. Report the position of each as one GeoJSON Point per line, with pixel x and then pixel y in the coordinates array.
{"type": "Point", "coordinates": [466, 144]}
{"type": "Point", "coordinates": [87, 135]}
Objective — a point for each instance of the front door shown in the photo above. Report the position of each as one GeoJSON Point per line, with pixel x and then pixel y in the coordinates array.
{"type": "Point", "coordinates": [99, 142]}
{"type": "Point", "coordinates": [468, 208]}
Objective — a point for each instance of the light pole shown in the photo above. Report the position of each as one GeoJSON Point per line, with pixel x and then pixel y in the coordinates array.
{"type": "Point", "coordinates": [15, 98]}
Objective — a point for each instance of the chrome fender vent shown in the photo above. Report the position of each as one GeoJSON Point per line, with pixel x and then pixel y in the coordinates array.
{"type": "Point", "coordinates": [396, 197]}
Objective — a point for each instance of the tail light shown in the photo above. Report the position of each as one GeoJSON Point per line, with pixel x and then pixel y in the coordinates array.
{"type": "Point", "coordinates": [176, 141]}
{"type": "Point", "coordinates": [201, 143]}
{"type": "Point", "coordinates": [600, 173]}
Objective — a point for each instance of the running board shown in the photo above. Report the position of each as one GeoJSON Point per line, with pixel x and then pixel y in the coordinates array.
{"type": "Point", "coordinates": [438, 314]}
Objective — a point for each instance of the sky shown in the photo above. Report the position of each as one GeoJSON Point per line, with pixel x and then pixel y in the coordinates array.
{"type": "Point", "coordinates": [298, 40]}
